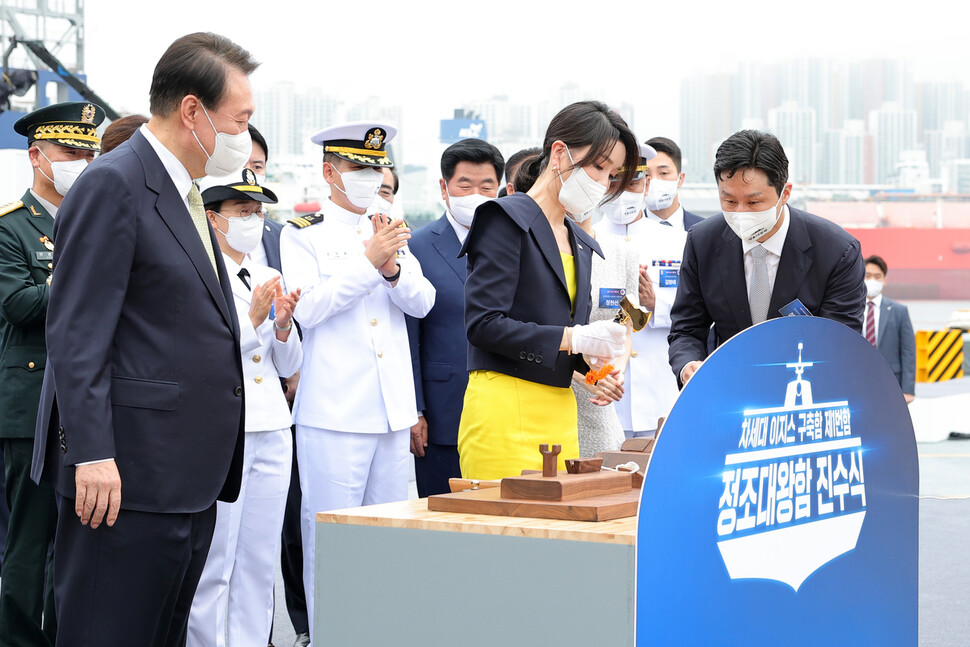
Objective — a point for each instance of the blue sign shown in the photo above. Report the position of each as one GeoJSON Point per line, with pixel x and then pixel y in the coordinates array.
{"type": "Point", "coordinates": [780, 504]}
{"type": "Point", "coordinates": [454, 130]}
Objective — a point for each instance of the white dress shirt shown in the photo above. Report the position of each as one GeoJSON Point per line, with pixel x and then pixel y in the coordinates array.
{"type": "Point", "coordinates": [460, 230]}
{"type": "Point", "coordinates": [176, 171]}
{"type": "Point", "coordinates": [356, 376]}
{"type": "Point", "coordinates": [49, 206]}
{"type": "Point", "coordinates": [773, 245]}
{"type": "Point", "coordinates": [676, 219]}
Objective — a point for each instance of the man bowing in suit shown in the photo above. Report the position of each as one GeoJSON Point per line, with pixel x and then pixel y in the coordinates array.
{"type": "Point", "coordinates": [889, 328]}
{"type": "Point", "coordinates": [143, 355]}
{"type": "Point", "coordinates": [470, 173]}
{"type": "Point", "coordinates": [745, 266]}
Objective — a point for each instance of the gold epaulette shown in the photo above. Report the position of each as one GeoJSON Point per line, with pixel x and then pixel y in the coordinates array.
{"type": "Point", "coordinates": [13, 206]}
{"type": "Point", "coordinates": [306, 221]}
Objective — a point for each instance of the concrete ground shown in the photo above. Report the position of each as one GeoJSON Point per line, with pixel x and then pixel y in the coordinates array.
{"type": "Point", "coordinates": [944, 568]}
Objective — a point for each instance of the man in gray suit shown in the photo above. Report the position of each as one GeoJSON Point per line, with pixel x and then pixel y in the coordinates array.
{"type": "Point", "coordinates": [888, 328]}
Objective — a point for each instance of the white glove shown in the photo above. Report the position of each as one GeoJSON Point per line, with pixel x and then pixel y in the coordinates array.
{"type": "Point", "coordinates": [601, 339]}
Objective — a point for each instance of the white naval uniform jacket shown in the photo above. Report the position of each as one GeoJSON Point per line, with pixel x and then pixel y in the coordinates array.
{"type": "Point", "coordinates": [651, 388]}
{"type": "Point", "coordinates": [265, 359]}
{"type": "Point", "coordinates": [357, 373]}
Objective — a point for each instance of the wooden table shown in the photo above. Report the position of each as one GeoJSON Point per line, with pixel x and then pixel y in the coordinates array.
{"type": "Point", "coordinates": [399, 574]}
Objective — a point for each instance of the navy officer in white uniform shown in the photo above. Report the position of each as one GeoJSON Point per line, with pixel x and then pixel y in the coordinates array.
{"type": "Point", "coordinates": [649, 393]}
{"type": "Point", "coordinates": [356, 403]}
{"type": "Point", "coordinates": [234, 601]}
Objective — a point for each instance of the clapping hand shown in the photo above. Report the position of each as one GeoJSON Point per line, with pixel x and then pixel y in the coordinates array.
{"type": "Point", "coordinates": [262, 301]}
{"type": "Point", "coordinates": [381, 248]}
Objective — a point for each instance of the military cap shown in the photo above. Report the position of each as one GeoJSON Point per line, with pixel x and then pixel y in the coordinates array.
{"type": "Point", "coordinates": [229, 187]}
{"type": "Point", "coordinates": [360, 142]}
{"type": "Point", "coordinates": [73, 124]}
{"type": "Point", "coordinates": [647, 153]}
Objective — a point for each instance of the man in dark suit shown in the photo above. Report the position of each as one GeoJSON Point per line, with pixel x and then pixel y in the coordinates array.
{"type": "Point", "coordinates": [146, 431]}
{"type": "Point", "coordinates": [888, 327]}
{"type": "Point", "coordinates": [744, 266]}
{"type": "Point", "coordinates": [662, 201]}
{"type": "Point", "coordinates": [61, 140]}
{"type": "Point", "coordinates": [470, 173]}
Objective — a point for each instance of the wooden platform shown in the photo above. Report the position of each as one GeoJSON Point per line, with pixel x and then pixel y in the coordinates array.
{"type": "Point", "coordinates": [415, 515]}
{"type": "Point", "coordinates": [489, 501]}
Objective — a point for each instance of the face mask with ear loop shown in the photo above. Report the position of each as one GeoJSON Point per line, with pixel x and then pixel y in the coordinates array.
{"type": "Point", "coordinates": [579, 193]}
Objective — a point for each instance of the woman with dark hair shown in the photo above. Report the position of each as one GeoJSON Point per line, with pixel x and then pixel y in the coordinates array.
{"type": "Point", "coordinates": [527, 296]}
{"type": "Point", "coordinates": [120, 130]}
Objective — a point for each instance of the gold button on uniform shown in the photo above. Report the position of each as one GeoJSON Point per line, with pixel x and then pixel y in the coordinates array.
{"type": "Point", "coordinates": [373, 322]}
{"type": "Point", "coordinates": [258, 379]}
{"type": "Point", "coordinates": [50, 265]}
{"type": "Point", "coordinates": [380, 354]}
{"type": "Point", "coordinates": [256, 358]}
{"type": "Point", "coordinates": [633, 354]}
{"type": "Point", "coordinates": [30, 365]}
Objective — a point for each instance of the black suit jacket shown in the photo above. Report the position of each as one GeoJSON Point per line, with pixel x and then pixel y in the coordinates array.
{"type": "Point", "coordinates": [439, 348]}
{"type": "Point", "coordinates": [821, 265]}
{"type": "Point", "coordinates": [516, 300]}
{"type": "Point", "coordinates": [271, 243]}
{"type": "Point", "coordinates": [897, 343]}
{"type": "Point", "coordinates": [144, 363]}
{"type": "Point", "coordinates": [691, 219]}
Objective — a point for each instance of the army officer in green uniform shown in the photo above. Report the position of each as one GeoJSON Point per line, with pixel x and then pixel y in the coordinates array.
{"type": "Point", "coordinates": [61, 140]}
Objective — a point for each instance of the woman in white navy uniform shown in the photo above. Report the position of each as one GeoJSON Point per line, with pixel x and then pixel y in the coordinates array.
{"type": "Point", "coordinates": [234, 602]}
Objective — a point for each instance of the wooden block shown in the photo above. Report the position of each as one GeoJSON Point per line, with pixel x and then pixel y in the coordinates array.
{"type": "Point", "coordinates": [612, 459]}
{"type": "Point", "coordinates": [460, 485]}
{"type": "Point", "coordinates": [489, 501]}
{"type": "Point", "coordinates": [583, 465]}
{"type": "Point", "coordinates": [637, 445]}
{"type": "Point", "coordinates": [565, 487]}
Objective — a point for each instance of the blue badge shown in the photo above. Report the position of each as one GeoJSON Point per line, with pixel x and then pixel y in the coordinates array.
{"type": "Point", "coordinates": [669, 278]}
{"type": "Point", "coordinates": [611, 297]}
{"type": "Point", "coordinates": [795, 309]}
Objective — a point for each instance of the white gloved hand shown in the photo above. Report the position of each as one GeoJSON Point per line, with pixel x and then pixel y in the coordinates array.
{"type": "Point", "coordinates": [601, 339]}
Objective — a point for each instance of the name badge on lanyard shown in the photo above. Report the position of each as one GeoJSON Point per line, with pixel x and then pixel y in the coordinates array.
{"type": "Point", "coordinates": [611, 297]}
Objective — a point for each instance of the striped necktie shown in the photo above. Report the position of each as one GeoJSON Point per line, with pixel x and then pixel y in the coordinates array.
{"type": "Point", "coordinates": [197, 211]}
{"type": "Point", "coordinates": [871, 322]}
{"type": "Point", "coordinates": [759, 294]}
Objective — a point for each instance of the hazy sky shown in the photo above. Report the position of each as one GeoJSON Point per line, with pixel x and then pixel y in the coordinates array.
{"type": "Point", "coordinates": [431, 55]}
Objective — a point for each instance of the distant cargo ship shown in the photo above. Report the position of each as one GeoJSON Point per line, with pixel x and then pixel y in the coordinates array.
{"type": "Point", "coordinates": [925, 241]}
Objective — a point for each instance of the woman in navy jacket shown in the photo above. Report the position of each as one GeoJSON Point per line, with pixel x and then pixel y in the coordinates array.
{"type": "Point", "coordinates": [527, 296]}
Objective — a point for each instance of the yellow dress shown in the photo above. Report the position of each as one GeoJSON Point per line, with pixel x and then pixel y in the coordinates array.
{"type": "Point", "coordinates": [504, 419]}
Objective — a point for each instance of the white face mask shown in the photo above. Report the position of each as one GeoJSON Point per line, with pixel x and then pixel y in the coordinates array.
{"type": "Point", "coordinates": [380, 205]}
{"type": "Point", "coordinates": [360, 186]}
{"type": "Point", "coordinates": [624, 209]}
{"type": "Point", "coordinates": [661, 194]}
{"type": "Point", "coordinates": [462, 207]}
{"type": "Point", "coordinates": [260, 179]}
{"type": "Point", "coordinates": [873, 288]}
{"type": "Point", "coordinates": [752, 225]}
{"type": "Point", "coordinates": [580, 193]}
{"type": "Point", "coordinates": [230, 154]}
{"type": "Point", "coordinates": [65, 173]}
{"type": "Point", "coordinates": [244, 234]}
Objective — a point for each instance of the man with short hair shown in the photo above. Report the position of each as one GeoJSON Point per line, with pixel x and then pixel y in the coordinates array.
{"type": "Point", "coordinates": [470, 173]}
{"type": "Point", "coordinates": [888, 327]}
{"type": "Point", "coordinates": [744, 266]}
{"type": "Point", "coordinates": [61, 140]}
{"type": "Point", "coordinates": [666, 178]}
{"type": "Point", "coordinates": [147, 429]}
{"type": "Point", "coordinates": [355, 405]}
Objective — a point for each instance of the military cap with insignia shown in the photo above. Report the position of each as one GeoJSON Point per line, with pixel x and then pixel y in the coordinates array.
{"type": "Point", "coordinates": [360, 142]}
{"type": "Point", "coordinates": [647, 153]}
{"type": "Point", "coordinates": [73, 124]}
{"type": "Point", "coordinates": [230, 187]}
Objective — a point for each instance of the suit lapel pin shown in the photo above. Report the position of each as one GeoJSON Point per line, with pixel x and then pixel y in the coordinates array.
{"type": "Point", "coordinates": [47, 242]}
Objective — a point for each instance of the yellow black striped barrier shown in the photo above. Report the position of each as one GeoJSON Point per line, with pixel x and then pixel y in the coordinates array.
{"type": "Point", "coordinates": [939, 355]}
